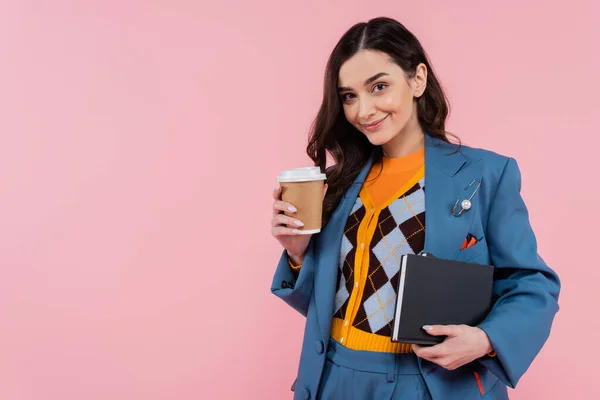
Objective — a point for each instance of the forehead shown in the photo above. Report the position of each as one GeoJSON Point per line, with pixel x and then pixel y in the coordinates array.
{"type": "Point", "coordinates": [364, 65]}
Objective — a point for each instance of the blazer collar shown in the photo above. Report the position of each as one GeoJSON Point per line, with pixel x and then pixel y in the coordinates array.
{"type": "Point", "coordinates": [443, 155]}
{"type": "Point", "coordinates": [447, 180]}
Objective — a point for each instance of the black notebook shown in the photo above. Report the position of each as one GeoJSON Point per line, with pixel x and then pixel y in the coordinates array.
{"type": "Point", "coordinates": [434, 291]}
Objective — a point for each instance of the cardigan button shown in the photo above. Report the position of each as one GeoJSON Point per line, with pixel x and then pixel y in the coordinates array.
{"type": "Point", "coordinates": [284, 285]}
{"type": "Point", "coordinates": [319, 347]}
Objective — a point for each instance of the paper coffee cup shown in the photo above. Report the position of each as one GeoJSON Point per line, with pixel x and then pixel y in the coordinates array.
{"type": "Point", "coordinates": [303, 187]}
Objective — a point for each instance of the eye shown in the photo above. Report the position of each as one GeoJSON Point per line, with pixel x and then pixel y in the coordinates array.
{"type": "Point", "coordinates": [379, 87]}
{"type": "Point", "coordinates": [347, 97]}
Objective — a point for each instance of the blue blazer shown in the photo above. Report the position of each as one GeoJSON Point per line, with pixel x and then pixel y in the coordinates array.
{"type": "Point", "coordinates": [527, 289]}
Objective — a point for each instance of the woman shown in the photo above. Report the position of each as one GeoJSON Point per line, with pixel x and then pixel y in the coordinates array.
{"type": "Point", "coordinates": [391, 192]}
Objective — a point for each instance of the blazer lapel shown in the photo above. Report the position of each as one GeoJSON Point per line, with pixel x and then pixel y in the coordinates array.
{"type": "Point", "coordinates": [329, 243]}
{"type": "Point", "coordinates": [447, 177]}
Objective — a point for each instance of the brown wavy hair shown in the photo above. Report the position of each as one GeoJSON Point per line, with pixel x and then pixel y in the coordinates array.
{"type": "Point", "coordinates": [332, 133]}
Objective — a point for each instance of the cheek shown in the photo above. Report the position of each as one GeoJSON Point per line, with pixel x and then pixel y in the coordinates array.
{"type": "Point", "coordinates": [391, 103]}
{"type": "Point", "coordinates": [397, 104]}
{"type": "Point", "coordinates": [350, 111]}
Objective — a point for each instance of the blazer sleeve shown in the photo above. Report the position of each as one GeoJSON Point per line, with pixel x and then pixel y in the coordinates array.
{"type": "Point", "coordinates": [295, 286]}
{"type": "Point", "coordinates": [527, 289]}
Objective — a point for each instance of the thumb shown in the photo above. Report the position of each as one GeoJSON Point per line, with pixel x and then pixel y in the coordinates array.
{"type": "Point", "coordinates": [416, 347]}
{"type": "Point", "coordinates": [325, 190]}
{"type": "Point", "coordinates": [441, 330]}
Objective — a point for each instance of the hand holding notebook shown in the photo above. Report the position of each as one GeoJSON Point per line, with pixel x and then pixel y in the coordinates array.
{"type": "Point", "coordinates": [462, 345]}
{"type": "Point", "coordinates": [434, 291]}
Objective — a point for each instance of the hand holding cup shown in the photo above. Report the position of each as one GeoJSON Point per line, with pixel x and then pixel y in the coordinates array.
{"type": "Point", "coordinates": [297, 209]}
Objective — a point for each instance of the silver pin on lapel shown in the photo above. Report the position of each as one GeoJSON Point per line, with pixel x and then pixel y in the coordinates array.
{"type": "Point", "coordinates": [466, 203]}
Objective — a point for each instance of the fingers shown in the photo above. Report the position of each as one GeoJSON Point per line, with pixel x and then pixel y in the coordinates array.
{"type": "Point", "coordinates": [431, 353]}
{"type": "Point", "coordinates": [438, 354]}
{"type": "Point", "coordinates": [417, 349]}
{"type": "Point", "coordinates": [446, 362]}
{"type": "Point", "coordinates": [442, 330]}
{"type": "Point", "coordinates": [278, 231]}
{"type": "Point", "coordinates": [452, 352]}
{"type": "Point", "coordinates": [282, 224]}
{"type": "Point", "coordinates": [282, 220]}
{"type": "Point", "coordinates": [277, 193]}
{"type": "Point", "coordinates": [279, 206]}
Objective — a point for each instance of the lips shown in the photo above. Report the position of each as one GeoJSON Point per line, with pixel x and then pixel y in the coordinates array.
{"type": "Point", "coordinates": [374, 125]}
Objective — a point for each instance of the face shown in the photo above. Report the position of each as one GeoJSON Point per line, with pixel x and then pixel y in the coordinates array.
{"type": "Point", "coordinates": [377, 97]}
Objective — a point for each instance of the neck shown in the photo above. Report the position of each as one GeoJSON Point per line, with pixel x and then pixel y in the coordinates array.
{"type": "Point", "coordinates": [406, 142]}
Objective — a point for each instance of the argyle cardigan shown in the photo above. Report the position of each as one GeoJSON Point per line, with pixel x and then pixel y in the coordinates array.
{"type": "Point", "coordinates": [372, 244]}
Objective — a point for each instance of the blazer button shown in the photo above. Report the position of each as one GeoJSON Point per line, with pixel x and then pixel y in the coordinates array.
{"type": "Point", "coordinates": [305, 394]}
{"type": "Point", "coordinates": [284, 285]}
{"type": "Point", "coordinates": [319, 346]}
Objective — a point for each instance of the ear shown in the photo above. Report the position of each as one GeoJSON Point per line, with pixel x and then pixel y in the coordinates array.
{"type": "Point", "coordinates": [419, 81]}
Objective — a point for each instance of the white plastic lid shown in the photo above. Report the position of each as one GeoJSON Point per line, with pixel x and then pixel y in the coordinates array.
{"type": "Point", "coordinates": [304, 174]}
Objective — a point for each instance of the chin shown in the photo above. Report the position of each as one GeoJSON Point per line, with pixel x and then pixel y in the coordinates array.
{"type": "Point", "coordinates": [378, 138]}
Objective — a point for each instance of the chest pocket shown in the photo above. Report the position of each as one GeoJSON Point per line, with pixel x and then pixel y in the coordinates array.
{"type": "Point", "coordinates": [475, 251]}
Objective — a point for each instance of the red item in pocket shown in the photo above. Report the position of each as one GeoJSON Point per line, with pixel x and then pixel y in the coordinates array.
{"type": "Point", "coordinates": [469, 241]}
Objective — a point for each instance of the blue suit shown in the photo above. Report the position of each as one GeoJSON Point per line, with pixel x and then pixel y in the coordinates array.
{"type": "Point", "coordinates": [527, 289]}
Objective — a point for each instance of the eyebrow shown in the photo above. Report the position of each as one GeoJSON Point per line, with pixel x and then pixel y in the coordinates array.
{"type": "Point", "coordinates": [370, 80]}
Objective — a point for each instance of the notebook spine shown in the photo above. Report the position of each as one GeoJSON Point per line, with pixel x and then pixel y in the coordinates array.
{"type": "Point", "coordinates": [398, 313]}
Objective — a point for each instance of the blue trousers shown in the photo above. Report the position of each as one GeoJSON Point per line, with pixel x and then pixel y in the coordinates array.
{"type": "Point", "coordinates": [364, 375]}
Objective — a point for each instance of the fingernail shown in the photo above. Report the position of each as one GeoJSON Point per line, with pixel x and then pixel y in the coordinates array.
{"type": "Point", "coordinates": [299, 223]}
{"type": "Point", "coordinates": [427, 327]}
{"type": "Point", "coordinates": [292, 208]}
{"type": "Point", "coordinates": [296, 231]}
{"type": "Point", "coordinates": [277, 187]}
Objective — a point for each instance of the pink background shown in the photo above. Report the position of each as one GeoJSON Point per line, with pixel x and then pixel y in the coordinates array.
{"type": "Point", "coordinates": [140, 141]}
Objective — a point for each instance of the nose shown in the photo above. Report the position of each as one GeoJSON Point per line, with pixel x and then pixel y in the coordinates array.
{"type": "Point", "coordinates": [366, 109]}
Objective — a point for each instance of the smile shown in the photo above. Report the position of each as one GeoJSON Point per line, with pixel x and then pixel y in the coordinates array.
{"type": "Point", "coordinates": [375, 125]}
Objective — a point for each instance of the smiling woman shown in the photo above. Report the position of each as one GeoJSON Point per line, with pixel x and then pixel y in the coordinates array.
{"type": "Point", "coordinates": [367, 105]}
{"type": "Point", "coordinates": [382, 119]}
{"type": "Point", "coordinates": [379, 78]}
